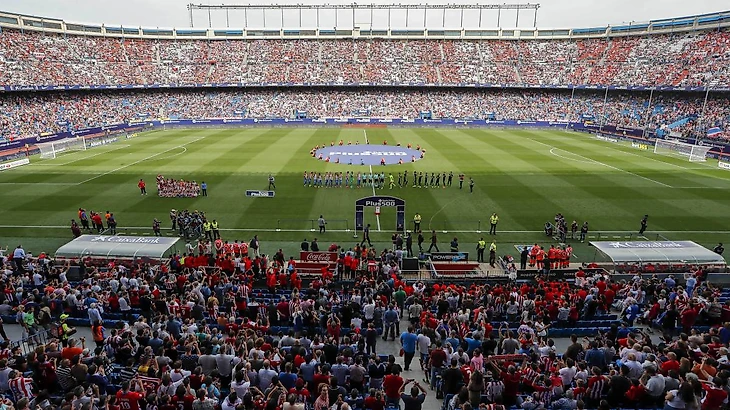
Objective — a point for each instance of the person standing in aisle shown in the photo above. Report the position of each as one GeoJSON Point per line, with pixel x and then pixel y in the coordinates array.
{"type": "Point", "coordinates": [492, 253]}
{"type": "Point", "coordinates": [417, 222]}
{"type": "Point", "coordinates": [420, 241]}
{"type": "Point", "coordinates": [493, 221]}
{"type": "Point", "coordinates": [481, 246]}
{"type": "Point", "coordinates": [408, 343]}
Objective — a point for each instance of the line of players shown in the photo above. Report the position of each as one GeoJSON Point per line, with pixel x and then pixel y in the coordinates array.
{"type": "Point", "coordinates": [350, 179]}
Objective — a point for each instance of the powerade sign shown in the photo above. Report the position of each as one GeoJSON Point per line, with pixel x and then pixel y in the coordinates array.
{"type": "Point", "coordinates": [260, 194]}
{"type": "Point", "coordinates": [450, 256]}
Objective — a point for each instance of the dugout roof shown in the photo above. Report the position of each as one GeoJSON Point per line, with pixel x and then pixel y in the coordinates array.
{"type": "Point", "coordinates": [658, 252]}
{"type": "Point", "coordinates": [122, 247]}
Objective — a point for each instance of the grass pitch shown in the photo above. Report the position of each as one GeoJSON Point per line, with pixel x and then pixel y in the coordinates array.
{"type": "Point", "coordinates": [526, 176]}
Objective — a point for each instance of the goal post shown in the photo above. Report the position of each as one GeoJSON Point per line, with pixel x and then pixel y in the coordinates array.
{"type": "Point", "coordinates": [50, 150]}
{"type": "Point", "coordinates": [695, 153]}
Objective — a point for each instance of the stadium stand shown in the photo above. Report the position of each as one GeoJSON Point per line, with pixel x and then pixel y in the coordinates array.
{"type": "Point", "coordinates": [680, 59]}
{"type": "Point", "coordinates": [27, 115]}
{"type": "Point", "coordinates": [497, 330]}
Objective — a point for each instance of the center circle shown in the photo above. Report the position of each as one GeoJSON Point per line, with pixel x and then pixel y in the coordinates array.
{"type": "Point", "coordinates": [368, 154]}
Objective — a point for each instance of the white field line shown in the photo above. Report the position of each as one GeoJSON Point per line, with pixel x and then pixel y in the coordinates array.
{"type": "Point", "coordinates": [40, 183]}
{"type": "Point", "coordinates": [185, 149]}
{"type": "Point", "coordinates": [149, 229]}
{"type": "Point", "coordinates": [439, 211]}
{"type": "Point", "coordinates": [52, 164]}
{"type": "Point", "coordinates": [138, 161]}
{"type": "Point", "coordinates": [371, 175]}
{"type": "Point", "coordinates": [552, 151]}
{"type": "Point", "coordinates": [604, 164]}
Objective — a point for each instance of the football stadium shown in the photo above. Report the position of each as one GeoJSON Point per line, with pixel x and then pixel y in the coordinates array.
{"type": "Point", "coordinates": [292, 213]}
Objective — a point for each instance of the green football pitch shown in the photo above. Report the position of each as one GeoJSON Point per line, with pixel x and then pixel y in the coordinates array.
{"type": "Point", "coordinates": [526, 176]}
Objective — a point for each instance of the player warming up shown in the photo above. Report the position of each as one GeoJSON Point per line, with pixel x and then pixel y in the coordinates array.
{"type": "Point", "coordinates": [271, 182]}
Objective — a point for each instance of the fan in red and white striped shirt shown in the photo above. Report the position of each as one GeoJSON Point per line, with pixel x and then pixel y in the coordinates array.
{"type": "Point", "coordinates": [530, 374]}
{"type": "Point", "coordinates": [596, 384]}
{"type": "Point", "coordinates": [20, 386]}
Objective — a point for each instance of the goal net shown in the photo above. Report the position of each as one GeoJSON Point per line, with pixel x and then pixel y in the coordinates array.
{"type": "Point", "coordinates": [52, 149]}
{"type": "Point", "coordinates": [694, 153]}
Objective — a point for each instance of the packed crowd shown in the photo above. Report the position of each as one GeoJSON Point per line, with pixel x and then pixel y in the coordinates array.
{"type": "Point", "coordinates": [195, 338]}
{"type": "Point", "coordinates": [24, 115]}
{"type": "Point", "coordinates": [680, 59]}
{"type": "Point", "coordinates": [177, 188]}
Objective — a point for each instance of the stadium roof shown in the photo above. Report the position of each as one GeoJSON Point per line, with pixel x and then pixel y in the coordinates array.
{"type": "Point", "coordinates": [372, 27]}
{"type": "Point", "coordinates": [122, 247]}
{"type": "Point", "coordinates": [658, 252]}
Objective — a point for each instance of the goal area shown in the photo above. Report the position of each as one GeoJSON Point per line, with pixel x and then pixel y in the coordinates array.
{"type": "Point", "coordinates": [695, 153]}
{"type": "Point", "coordinates": [52, 149]}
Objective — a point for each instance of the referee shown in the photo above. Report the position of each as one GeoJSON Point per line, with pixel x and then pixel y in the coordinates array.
{"type": "Point", "coordinates": [271, 182]}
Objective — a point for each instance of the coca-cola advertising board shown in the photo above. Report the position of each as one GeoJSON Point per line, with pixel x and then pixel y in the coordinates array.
{"type": "Point", "coordinates": [318, 256]}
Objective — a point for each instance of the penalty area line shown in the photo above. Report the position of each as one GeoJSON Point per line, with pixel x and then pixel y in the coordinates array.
{"type": "Point", "coordinates": [138, 161]}
{"type": "Point", "coordinates": [600, 163]}
{"type": "Point", "coordinates": [51, 164]}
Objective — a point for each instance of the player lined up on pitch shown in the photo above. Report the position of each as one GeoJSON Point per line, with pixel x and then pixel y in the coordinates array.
{"type": "Point", "coordinates": [352, 179]}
